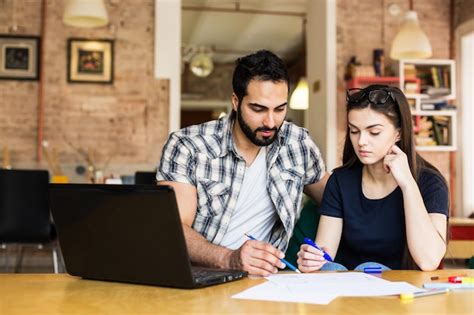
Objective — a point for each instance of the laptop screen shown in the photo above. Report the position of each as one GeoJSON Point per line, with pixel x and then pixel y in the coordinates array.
{"type": "Point", "coordinates": [122, 233]}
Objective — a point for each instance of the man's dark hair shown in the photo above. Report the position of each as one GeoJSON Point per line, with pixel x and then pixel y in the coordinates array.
{"type": "Point", "coordinates": [263, 66]}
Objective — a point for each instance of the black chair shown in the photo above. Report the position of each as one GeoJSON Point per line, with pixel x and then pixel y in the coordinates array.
{"type": "Point", "coordinates": [25, 218]}
{"type": "Point", "coordinates": [145, 178]}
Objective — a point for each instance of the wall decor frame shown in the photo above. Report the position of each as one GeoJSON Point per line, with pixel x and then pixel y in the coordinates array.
{"type": "Point", "coordinates": [90, 60]}
{"type": "Point", "coordinates": [19, 57]}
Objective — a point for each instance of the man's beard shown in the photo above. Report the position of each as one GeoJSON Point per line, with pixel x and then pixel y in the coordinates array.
{"type": "Point", "coordinates": [252, 134]}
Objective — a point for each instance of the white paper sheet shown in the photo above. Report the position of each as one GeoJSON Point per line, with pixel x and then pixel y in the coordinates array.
{"type": "Point", "coordinates": [322, 288]}
{"type": "Point", "coordinates": [270, 291]}
{"type": "Point", "coordinates": [342, 284]}
{"type": "Point", "coordinates": [325, 278]}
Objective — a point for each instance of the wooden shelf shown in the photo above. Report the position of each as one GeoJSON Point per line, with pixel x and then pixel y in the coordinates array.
{"type": "Point", "coordinates": [436, 148]}
{"type": "Point", "coordinates": [434, 112]}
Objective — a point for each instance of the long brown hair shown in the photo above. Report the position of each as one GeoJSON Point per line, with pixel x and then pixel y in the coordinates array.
{"type": "Point", "coordinates": [397, 110]}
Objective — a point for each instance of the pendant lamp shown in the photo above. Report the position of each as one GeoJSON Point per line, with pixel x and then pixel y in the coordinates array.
{"type": "Point", "coordinates": [85, 13]}
{"type": "Point", "coordinates": [201, 64]}
{"type": "Point", "coordinates": [300, 97]}
{"type": "Point", "coordinates": [411, 42]}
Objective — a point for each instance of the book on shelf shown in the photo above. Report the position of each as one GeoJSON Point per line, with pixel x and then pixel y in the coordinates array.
{"type": "Point", "coordinates": [436, 131]}
{"type": "Point", "coordinates": [410, 71]}
{"type": "Point", "coordinates": [431, 130]}
{"type": "Point", "coordinates": [436, 104]}
{"type": "Point", "coordinates": [416, 123]}
{"type": "Point", "coordinates": [427, 106]}
{"type": "Point", "coordinates": [436, 91]}
{"type": "Point", "coordinates": [445, 136]}
{"type": "Point", "coordinates": [440, 129]}
{"type": "Point", "coordinates": [425, 141]}
{"type": "Point", "coordinates": [434, 79]}
{"type": "Point", "coordinates": [411, 87]}
{"type": "Point", "coordinates": [447, 83]}
{"type": "Point", "coordinates": [442, 120]}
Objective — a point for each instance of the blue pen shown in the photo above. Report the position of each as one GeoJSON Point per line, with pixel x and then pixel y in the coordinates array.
{"type": "Point", "coordinates": [282, 259]}
{"type": "Point", "coordinates": [310, 242]}
{"type": "Point", "coordinates": [374, 269]}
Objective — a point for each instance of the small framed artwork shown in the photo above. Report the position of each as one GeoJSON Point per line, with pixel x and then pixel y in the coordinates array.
{"type": "Point", "coordinates": [90, 61]}
{"type": "Point", "coordinates": [19, 57]}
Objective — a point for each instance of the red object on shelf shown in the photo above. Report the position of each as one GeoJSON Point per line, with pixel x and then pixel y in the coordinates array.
{"type": "Point", "coordinates": [361, 82]}
{"type": "Point", "coordinates": [416, 123]}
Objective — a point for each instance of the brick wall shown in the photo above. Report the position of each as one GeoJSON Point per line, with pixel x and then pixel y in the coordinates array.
{"type": "Point", "coordinates": [125, 122]}
{"type": "Point", "coordinates": [363, 25]}
{"type": "Point", "coordinates": [464, 11]}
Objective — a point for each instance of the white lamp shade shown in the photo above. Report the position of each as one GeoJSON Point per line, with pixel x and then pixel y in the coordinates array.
{"type": "Point", "coordinates": [85, 13]}
{"type": "Point", "coordinates": [411, 42]}
{"type": "Point", "coordinates": [300, 97]}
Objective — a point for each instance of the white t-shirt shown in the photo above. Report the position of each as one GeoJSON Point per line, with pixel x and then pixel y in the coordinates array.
{"type": "Point", "coordinates": [254, 212]}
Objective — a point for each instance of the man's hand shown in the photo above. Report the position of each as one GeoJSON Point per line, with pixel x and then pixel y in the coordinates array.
{"type": "Point", "coordinates": [257, 258]}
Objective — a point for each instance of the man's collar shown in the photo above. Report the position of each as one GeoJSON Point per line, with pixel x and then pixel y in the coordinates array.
{"type": "Point", "coordinates": [227, 144]}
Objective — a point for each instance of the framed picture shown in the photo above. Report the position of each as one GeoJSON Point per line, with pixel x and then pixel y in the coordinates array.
{"type": "Point", "coordinates": [90, 61]}
{"type": "Point", "coordinates": [19, 57]}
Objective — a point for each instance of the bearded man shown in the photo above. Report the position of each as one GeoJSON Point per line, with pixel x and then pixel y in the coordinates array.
{"type": "Point", "coordinates": [244, 173]}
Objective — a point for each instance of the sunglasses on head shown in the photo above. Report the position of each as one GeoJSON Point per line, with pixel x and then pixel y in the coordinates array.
{"type": "Point", "coordinates": [374, 96]}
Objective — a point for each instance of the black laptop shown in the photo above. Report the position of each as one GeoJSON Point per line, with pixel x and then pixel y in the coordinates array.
{"type": "Point", "coordinates": [126, 233]}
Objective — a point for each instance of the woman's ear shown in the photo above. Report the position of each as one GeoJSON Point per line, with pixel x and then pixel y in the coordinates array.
{"type": "Point", "coordinates": [397, 138]}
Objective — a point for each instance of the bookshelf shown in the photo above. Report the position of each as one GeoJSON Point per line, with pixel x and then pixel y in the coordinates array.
{"type": "Point", "coordinates": [432, 101]}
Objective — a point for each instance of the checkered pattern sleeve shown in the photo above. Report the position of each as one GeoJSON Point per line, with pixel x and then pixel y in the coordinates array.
{"type": "Point", "coordinates": [177, 162]}
{"type": "Point", "coordinates": [315, 167]}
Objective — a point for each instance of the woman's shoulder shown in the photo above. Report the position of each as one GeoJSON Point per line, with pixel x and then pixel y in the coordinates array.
{"type": "Point", "coordinates": [347, 175]}
{"type": "Point", "coordinates": [434, 191]}
{"type": "Point", "coordinates": [347, 171]}
{"type": "Point", "coordinates": [429, 177]}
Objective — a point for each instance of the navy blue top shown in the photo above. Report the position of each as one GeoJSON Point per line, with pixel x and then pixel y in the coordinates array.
{"type": "Point", "coordinates": [374, 229]}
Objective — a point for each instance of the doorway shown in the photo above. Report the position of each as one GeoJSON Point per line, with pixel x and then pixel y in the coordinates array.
{"type": "Point", "coordinates": [467, 117]}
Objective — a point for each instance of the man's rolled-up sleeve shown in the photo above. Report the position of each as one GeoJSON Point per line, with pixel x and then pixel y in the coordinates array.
{"type": "Point", "coordinates": [177, 162]}
{"type": "Point", "coordinates": [315, 168]}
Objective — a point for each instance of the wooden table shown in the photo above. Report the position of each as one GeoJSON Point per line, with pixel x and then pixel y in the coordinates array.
{"type": "Point", "coordinates": [63, 294]}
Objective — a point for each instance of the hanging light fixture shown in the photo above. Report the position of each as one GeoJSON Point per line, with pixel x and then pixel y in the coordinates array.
{"type": "Point", "coordinates": [300, 97]}
{"type": "Point", "coordinates": [201, 64]}
{"type": "Point", "coordinates": [85, 13]}
{"type": "Point", "coordinates": [411, 41]}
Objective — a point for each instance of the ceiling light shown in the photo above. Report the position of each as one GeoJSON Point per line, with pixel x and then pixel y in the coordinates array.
{"type": "Point", "coordinates": [411, 42]}
{"type": "Point", "coordinates": [85, 13]}
{"type": "Point", "coordinates": [300, 97]}
{"type": "Point", "coordinates": [201, 64]}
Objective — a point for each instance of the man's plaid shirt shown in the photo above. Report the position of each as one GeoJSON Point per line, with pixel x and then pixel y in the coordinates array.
{"type": "Point", "coordinates": [205, 157]}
